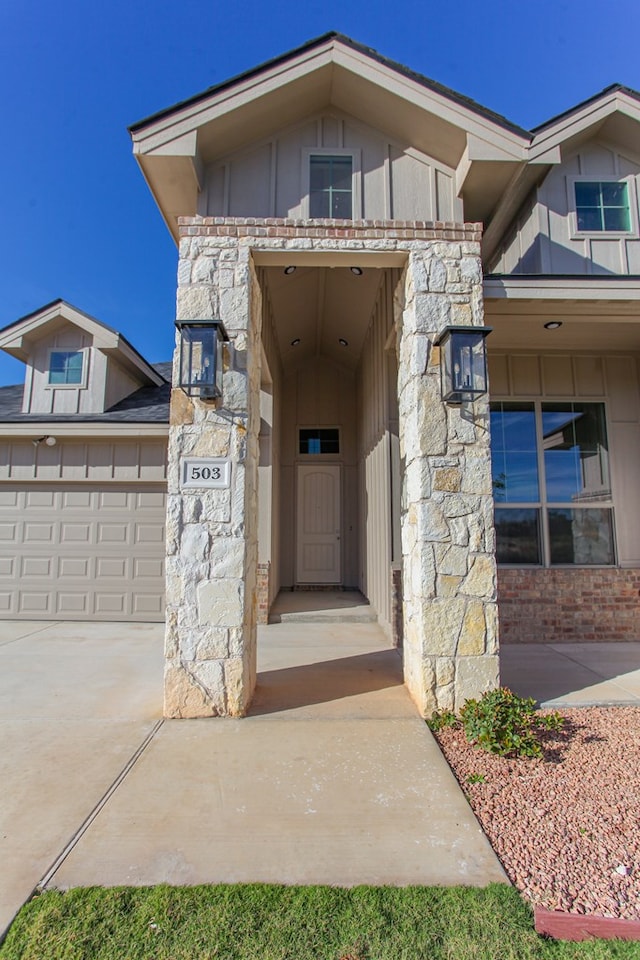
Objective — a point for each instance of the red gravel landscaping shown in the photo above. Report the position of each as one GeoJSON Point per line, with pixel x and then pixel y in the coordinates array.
{"type": "Point", "coordinates": [567, 827]}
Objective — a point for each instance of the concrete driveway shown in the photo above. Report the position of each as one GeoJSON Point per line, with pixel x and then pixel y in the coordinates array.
{"type": "Point", "coordinates": [77, 700]}
{"type": "Point", "coordinates": [332, 779]}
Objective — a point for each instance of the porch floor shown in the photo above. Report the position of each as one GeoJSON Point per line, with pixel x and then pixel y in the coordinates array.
{"type": "Point", "coordinates": [320, 606]}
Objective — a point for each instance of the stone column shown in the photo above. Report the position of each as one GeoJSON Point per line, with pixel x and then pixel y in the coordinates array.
{"type": "Point", "coordinates": [449, 575]}
{"type": "Point", "coordinates": [210, 647]}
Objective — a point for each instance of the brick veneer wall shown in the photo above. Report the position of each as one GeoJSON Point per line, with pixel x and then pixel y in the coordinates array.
{"type": "Point", "coordinates": [262, 592]}
{"type": "Point", "coordinates": [568, 606]}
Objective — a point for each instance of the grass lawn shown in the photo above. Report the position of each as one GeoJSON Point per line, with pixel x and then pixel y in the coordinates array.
{"type": "Point", "coordinates": [263, 922]}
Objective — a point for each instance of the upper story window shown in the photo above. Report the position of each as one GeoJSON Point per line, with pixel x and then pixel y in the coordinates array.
{"type": "Point", "coordinates": [551, 483]}
{"type": "Point", "coordinates": [330, 183]}
{"type": "Point", "coordinates": [602, 206]}
{"type": "Point", "coordinates": [331, 186]}
{"type": "Point", "coordinates": [66, 368]}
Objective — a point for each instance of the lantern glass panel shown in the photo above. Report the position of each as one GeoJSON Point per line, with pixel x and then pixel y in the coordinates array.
{"type": "Point", "coordinates": [198, 367]}
{"type": "Point", "coordinates": [465, 369]}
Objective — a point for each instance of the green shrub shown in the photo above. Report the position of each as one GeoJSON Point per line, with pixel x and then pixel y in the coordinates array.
{"type": "Point", "coordinates": [503, 723]}
{"type": "Point", "coordinates": [500, 722]}
{"type": "Point", "coordinates": [441, 719]}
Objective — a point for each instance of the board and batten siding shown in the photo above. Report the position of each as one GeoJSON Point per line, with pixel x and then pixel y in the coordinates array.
{"type": "Point", "coordinates": [96, 461]}
{"type": "Point", "coordinates": [543, 239]}
{"type": "Point", "coordinates": [614, 380]}
{"type": "Point", "coordinates": [270, 440]}
{"type": "Point", "coordinates": [269, 179]}
{"type": "Point", "coordinates": [377, 484]}
{"type": "Point", "coordinates": [104, 384]}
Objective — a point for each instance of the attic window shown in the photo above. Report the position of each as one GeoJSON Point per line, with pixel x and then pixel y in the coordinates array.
{"type": "Point", "coordinates": [602, 206]}
{"type": "Point", "coordinates": [66, 367]}
{"type": "Point", "coordinates": [331, 187]}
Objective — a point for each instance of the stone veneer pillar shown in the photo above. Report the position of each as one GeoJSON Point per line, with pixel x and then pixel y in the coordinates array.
{"type": "Point", "coordinates": [448, 565]}
{"type": "Point", "coordinates": [210, 648]}
{"type": "Point", "coordinates": [448, 541]}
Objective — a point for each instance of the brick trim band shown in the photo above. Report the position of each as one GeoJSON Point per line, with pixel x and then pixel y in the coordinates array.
{"type": "Point", "coordinates": [329, 229]}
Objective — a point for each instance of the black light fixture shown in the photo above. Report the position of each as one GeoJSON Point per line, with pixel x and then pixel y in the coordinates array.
{"type": "Point", "coordinates": [553, 324]}
{"type": "Point", "coordinates": [463, 363]}
{"type": "Point", "coordinates": [356, 271]}
{"type": "Point", "coordinates": [295, 341]}
{"type": "Point", "coordinates": [343, 342]}
{"type": "Point", "coordinates": [289, 270]}
{"type": "Point", "coordinates": [200, 370]}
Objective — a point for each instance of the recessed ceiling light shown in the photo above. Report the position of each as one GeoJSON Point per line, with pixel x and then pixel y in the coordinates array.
{"type": "Point", "coordinates": [295, 341]}
{"type": "Point", "coordinates": [356, 271]}
{"type": "Point", "coordinates": [553, 324]}
{"type": "Point", "coordinates": [343, 342]}
{"type": "Point", "coordinates": [289, 270]}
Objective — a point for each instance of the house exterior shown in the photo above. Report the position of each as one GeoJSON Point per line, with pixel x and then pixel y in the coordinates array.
{"type": "Point", "coordinates": [338, 213]}
{"type": "Point", "coordinates": [83, 450]}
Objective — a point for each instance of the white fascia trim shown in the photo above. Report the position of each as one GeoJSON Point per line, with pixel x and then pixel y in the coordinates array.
{"type": "Point", "coordinates": [577, 123]}
{"type": "Point", "coordinates": [514, 145]}
{"type": "Point", "coordinates": [174, 126]}
{"type": "Point", "coordinates": [560, 288]}
{"type": "Point", "coordinates": [85, 430]}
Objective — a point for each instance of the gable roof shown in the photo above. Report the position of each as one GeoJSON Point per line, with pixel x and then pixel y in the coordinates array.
{"type": "Point", "coordinates": [331, 35]}
{"type": "Point", "coordinates": [15, 338]}
{"type": "Point", "coordinates": [174, 145]}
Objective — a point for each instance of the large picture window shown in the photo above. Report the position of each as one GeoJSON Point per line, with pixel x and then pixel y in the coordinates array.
{"type": "Point", "coordinates": [551, 483]}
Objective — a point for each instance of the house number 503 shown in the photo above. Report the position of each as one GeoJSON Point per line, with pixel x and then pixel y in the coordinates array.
{"type": "Point", "coordinates": [205, 472]}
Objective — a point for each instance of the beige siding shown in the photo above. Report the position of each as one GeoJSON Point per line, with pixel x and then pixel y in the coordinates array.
{"type": "Point", "coordinates": [108, 461]}
{"type": "Point", "coordinates": [270, 459]}
{"type": "Point", "coordinates": [543, 239]}
{"type": "Point", "coordinates": [39, 397]}
{"type": "Point", "coordinates": [268, 179]}
{"type": "Point", "coordinates": [119, 384]}
{"type": "Point", "coordinates": [377, 421]}
{"type": "Point", "coordinates": [616, 381]}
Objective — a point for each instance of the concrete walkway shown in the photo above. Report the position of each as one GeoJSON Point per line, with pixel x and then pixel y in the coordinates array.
{"type": "Point", "coordinates": [332, 779]}
{"type": "Point", "coordinates": [573, 674]}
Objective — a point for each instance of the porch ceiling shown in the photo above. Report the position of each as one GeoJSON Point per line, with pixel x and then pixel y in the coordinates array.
{"type": "Point", "coordinates": [602, 326]}
{"type": "Point", "coordinates": [318, 306]}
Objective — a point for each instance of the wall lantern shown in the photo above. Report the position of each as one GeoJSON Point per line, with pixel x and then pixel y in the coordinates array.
{"type": "Point", "coordinates": [201, 357]}
{"type": "Point", "coordinates": [463, 363]}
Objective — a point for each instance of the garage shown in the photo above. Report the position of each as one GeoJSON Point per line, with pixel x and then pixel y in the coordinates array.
{"type": "Point", "coordinates": [82, 551]}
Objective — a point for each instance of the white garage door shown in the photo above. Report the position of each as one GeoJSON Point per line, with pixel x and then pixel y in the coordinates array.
{"type": "Point", "coordinates": [76, 552]}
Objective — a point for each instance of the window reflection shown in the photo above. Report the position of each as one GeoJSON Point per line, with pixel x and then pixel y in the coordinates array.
{"type": "Point", "coordinates": [514, 459]}
{"type": "Point", "coordinates": [518, 535]}
{"type": "Point", "coordinates": [575, 452]}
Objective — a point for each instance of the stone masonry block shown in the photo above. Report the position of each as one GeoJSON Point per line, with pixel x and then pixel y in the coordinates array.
{"type": "Point", "coordinates": [221, 603]}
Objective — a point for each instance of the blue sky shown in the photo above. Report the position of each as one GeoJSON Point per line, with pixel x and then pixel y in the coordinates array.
{"type": "Point", "coordinates": [78, 219]}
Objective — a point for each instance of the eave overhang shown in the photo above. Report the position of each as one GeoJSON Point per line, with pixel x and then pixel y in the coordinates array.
{"type": "Point", "coordinates": [568, 287]}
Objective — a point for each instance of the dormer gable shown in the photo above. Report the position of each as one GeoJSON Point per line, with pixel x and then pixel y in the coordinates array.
{"type": "Point", "coordinates": [75, 365]}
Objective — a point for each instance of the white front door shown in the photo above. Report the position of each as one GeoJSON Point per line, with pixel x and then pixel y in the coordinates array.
{"type": "Point", "coordinates": [319, 546]}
